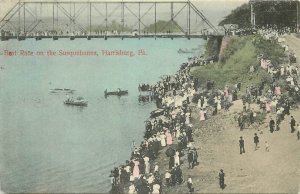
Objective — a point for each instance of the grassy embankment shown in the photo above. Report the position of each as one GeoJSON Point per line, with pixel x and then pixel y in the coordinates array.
{"type": "Point", "coordinates": [234, 64]}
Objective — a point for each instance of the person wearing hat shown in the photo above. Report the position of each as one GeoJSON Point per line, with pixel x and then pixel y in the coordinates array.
{"type": "Point", "coordinates": [167, 178]}
{"type": "Point", "coordinates": [222, 179]}
{"type": "Point", "coordinates": [272, 125]}
{"type": "Point", "coordinates": [293, 124]}
{"type": "Point", "coordinates": [241, 143]}
{"type": "Point", "coordinates": [256, 140]}
{"type": "Point", "coordinates": [190, 184]}
{"type": "Point", "coordinates": [191, 158]}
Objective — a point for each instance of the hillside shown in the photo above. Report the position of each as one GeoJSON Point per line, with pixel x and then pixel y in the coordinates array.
{"type": "Point", "coordinates": [236, 60]}
{"type": "Point", "coordinates": [162, 27]}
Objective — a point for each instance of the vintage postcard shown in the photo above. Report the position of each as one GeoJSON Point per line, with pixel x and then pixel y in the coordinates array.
{"type": "Point", "coordinates": [149, 96]}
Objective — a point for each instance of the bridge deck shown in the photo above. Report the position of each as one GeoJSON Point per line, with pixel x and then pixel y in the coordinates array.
{"type": "Point", "coordinates": [3, 38]}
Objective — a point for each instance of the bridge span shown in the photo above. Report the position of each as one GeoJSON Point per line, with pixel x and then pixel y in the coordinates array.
{"type": "Point", "coordinates": [104, 19]}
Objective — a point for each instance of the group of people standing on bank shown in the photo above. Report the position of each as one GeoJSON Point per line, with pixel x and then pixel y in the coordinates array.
{"type": "Point", "coordinates": [172, 131]}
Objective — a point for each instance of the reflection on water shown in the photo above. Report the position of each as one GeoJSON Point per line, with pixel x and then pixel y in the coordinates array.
{"type": "Point", "coordinates": [47, 146]}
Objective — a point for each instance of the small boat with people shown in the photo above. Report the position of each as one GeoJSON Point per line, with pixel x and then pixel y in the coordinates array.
{"type": "Point", "coordinates": [119, 92]}
{"type": "Point", "coordinates": [76, 102]}
{"type": "Point", "coordinates": [62, 90]}
{"type": "Point", "coordinates": [144, 87]}
{"type": "Point", "coordinates": [184, 51]}
{"type": "Point", "coordinates": [157, 113]}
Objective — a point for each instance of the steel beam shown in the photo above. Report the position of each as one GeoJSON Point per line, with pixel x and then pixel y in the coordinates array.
{"type": "Point", "coordinates": [155, 19]}
{"type": "Point", "coordinates": [24, 29]}
{"type": "Point", "coordinates": [81, 2]}
{"type": "Point", "coordinates": [90, 18]}
{"type": "Point", "coordinates": [68, 9]}
{"type": "Point", "coordinates": [298, 16]}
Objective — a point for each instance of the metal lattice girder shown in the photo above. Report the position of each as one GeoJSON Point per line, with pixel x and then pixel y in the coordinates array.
{"type": "Point", "coordinates": [121, 10]}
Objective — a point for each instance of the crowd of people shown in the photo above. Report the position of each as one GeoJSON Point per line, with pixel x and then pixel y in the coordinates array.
{"type": "Point", "coordinates": [172, 130]}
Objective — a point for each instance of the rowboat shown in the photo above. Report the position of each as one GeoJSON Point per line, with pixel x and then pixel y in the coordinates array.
{"type": "Point", "coordinates": [77, 102]}
{"type": "Point", "coordinates": [116, 93]}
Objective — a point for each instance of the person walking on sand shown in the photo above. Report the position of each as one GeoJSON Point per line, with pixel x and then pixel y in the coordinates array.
{"type": "Point", "coordinates": [190, 159]}
{"type": "Point", "coordinates": [242, 142]}
{"type": "Point", "coordinates": [256, 141]}
{"type": "Point", "coordinates": [298, 133]}
{"type": "Point", "coordinates": [222, 179]}
{"type": "Point", "coordinates": [293, 124]}
{"type": "Point", "coordinates": [190, 184]}
{"type": "Point", "coordinates": [168, 178]}
{"type": "Point", "coordinates": [272, 125]}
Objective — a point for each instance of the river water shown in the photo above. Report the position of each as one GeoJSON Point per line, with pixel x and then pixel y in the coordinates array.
{"type": "Point", "coordinates": [46, 146]}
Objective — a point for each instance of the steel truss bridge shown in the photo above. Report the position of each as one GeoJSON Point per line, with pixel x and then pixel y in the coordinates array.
{"type": "Point", "coordinates": [96, 19]}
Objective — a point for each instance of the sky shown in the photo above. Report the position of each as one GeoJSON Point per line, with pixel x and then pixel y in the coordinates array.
{"type": "Point", "coordinates": [214, 10]}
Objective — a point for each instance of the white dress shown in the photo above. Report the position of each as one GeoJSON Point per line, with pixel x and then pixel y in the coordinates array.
{"type": "Point", "coordinates": [219, 105]}
{"type": "Point", "coordinates": [156, 188]}
{"type": "Point", "coordinates": [163, 140]}
{"type": "Point", "coordinates": [177, 159]}
{"type": "Point", "coordinates": [187, 119]}
{"type": "Point", "coordinates": [147, 165]}
{"type": "Point", "coordinates": [199, 103]}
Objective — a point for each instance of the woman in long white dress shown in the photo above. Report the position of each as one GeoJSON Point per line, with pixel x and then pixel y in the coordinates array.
{"type": "Point", "coordinates": [187, 118]}
{"type": "Point", "coordinates": [156, 188]}
{"type": "Point", "coordinates": [205, 103]}
{"type": "Point", "coordinates": [147, 165]}
{"type": "Point", "coordinates": [199, 103]}
{"type": "Point", "coordinates": [177, 158]}
{"type": "Point", "coordinates": [219, 105]}
{"type": "Point", "coordinates": [163, 140]}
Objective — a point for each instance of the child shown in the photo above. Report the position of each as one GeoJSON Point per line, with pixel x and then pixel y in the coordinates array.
{"type": "Point", "coordinates": [190, 185]}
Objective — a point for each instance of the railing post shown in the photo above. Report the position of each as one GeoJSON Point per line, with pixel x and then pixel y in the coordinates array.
{"type": "Point", "coordinates": [189, 18]}
{"type": "Point", "coordinates": [155, 19]}
{"type": "Point", "coordinates": [90, 18]}
{"type": "Point", "coordinates": [24, 17]}
{"type": "Point", "coordinates": [19, 20]}
{"type": "Point", "coordinates": [139, 18]}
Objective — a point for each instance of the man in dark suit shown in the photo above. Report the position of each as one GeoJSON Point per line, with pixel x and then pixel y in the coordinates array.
{"type": "Point", "coordinates": [222, 179]}
{"type": "Point", "coordinates": [256, 141]}
{"type": "Point", "coordinates": [293, 124]}
{"type": "Point", "coordinates": [242, 148]}
{"type": "Point", "coordinates": [272, 125]}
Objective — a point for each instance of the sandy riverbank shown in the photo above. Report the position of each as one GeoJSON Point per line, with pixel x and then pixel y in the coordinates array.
{"type": "Point", "coordinates": [216, 139]}
{"type": "Point", "coordinates": [276, 171]}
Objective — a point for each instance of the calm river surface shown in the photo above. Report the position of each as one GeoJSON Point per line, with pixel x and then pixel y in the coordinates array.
{"type": "Point", "coordinates": [46, 146]}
